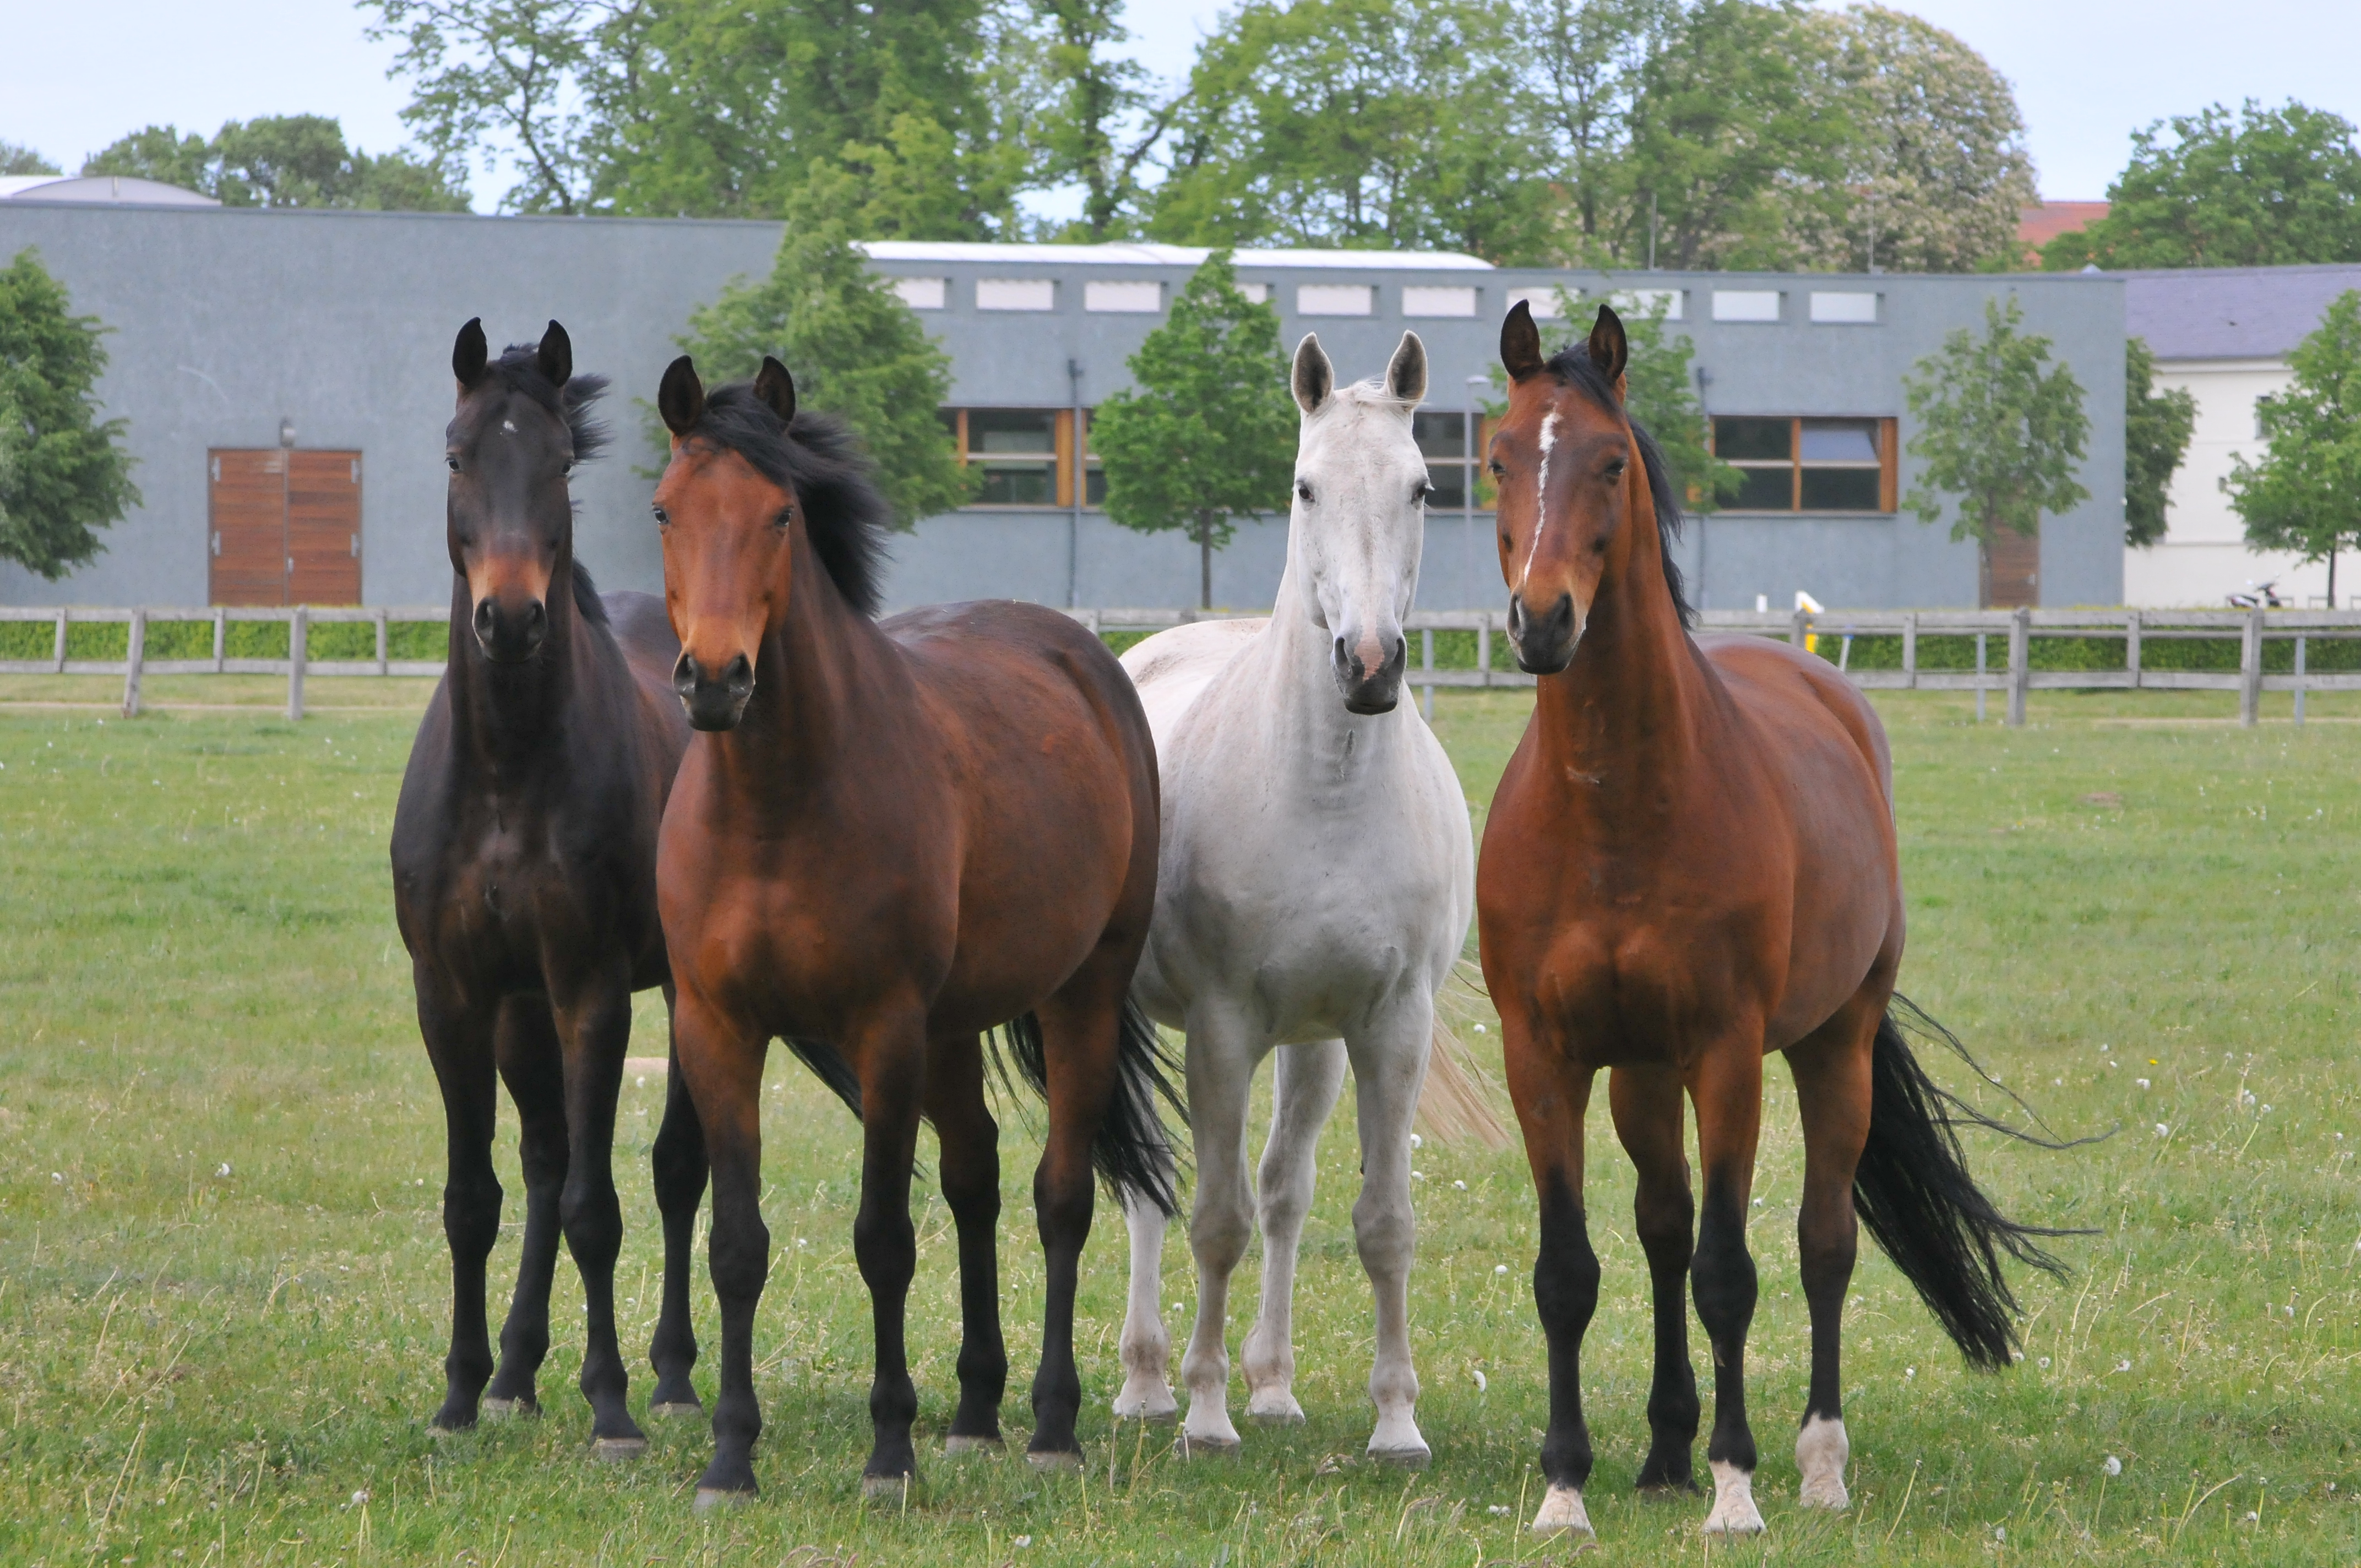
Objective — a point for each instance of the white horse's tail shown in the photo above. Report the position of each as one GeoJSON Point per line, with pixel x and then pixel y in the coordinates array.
{"type": "Point", "coordinates": [1459, 1102]}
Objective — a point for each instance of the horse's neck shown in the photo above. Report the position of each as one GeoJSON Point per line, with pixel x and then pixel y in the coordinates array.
{"type": "Point", "coordinates": [1632, 710]}
{"type": "Point", "coordinates": [1314, 737]}
{"type": "Point", "coordinates": [507, 713]}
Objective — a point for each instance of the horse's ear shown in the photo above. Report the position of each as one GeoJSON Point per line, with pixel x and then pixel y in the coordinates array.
{"type": "Point", "coordinates": [681, 399]}
{"type": "Point", "coordinates": [1406, 374]}
{"type": "Point", "coordinates": [1520, 342]}
{"type": "Point", "coordinates": [1313, 377]}
{"type": "Point", "coordinates": [469, 354]}
{"type": "Point", "coordinates": [555, 356]}
{"type": "Point", "coordinates": [776, 389]}
{"type": "Point", "coordinates": [1611, 351]}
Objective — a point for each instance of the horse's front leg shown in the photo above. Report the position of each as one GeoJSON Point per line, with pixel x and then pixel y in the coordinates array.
{"type": "Point", "coordinates": [680, 1178]}
{"type": "Point", "coordinates": [1220, 1062]}
{"type": "Point", "coordinates": [971, 1183]}
{"type": "Point", "coordinates": [1388, 1065]}
{"type": "Point", "coordinates": [721, 1057]}
{"type": "Point", "coordinates": [1727, 1085]}
{"type": "Point", "coordinates": [1646, 1101]}
{"type": "Point", "coordinates": [890, 1057]}
{"type": "Point", "coordinates": [533, 1065]}
{"type": "Point", "coordinates": [595, 1021]}
{"type": "Point", "coordinates": [459, 1042]}
{"type": "Point", "coordinates": [1304, 1086]}
{"type": "Point", "coordinates": [1552, 1093]}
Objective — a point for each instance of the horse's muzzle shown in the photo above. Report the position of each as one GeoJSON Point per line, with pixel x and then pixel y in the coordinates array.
{"type": "Point", "coordinates": [1366, 690]}
{"type": "Point", "coordinates": [510, 635]}
{"type": "Point", "coordinates": [1544, 644]}
{"type": "Point", "coordinates": [713, 701]}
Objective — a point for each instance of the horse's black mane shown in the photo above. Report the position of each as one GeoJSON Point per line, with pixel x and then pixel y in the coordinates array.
{"type": "Point", "coordinates": [1572, 365]}
{"type": "Point", "coordinates": [821, 461]}
{"type": "Point", "coordinates": [519, 368]}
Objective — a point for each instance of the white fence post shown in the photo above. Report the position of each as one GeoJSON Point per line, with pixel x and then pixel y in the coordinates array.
{"type": "Point", "coordinates": [2132, 648]}
{"type": "Point", "coordinates": [2020, 663]}
{"type": "Point", "coordinates": [60, 655]}
{"type": "Point", "coordinates": [221, 638]}
{"type": "Point", "coordinates": [1484, 646]}
{"type": "Point", "coordinates": [298, 654]}
{"type": "Point", "coordinates": [2250, 671]}
{"type": "Point", "coordinates": [380, 639]}
{"type": "Point", "coordinates": [1426, 662]}
{"type": "Point", "coordinates": [134, 656]}
{"type": "Point", "coordinates": [2299, 679]}
{"type": "Point", "coordinates": [1910, 650]}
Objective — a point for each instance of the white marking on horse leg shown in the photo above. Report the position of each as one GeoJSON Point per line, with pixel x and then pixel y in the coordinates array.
{"type": "Point", "coordinates": [1147, 1348]}
{"type": "Point", "coordinates": [1306, 1082]}
{"type": "Point", "coordinates": [1561, 1512]}
{"type": "Point", "coordinates": [1389, 1063]}
{"type": "Point", "coordinates": [1734, 1512]}
{"type": "Point", "coordinates": [1541, 492]}
{"type": "Point", "coordinates": [1219, 1228]}
{"type": "Point", "coordinates": [1821, 1452]}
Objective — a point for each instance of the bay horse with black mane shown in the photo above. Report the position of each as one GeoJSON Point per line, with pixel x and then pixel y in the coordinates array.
{"type": "Point", "coordinates": [887, 839]}
{"type": "Point", "coordinates": [524, 858]}
{"type": "Point", "coordinates": [1690, 864]}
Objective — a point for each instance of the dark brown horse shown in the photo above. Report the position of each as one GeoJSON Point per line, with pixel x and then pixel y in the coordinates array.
{"type": "Point", "coordinates": [890, 838]}
{"type": "Point", "coordinates": [524, 858]}
{"type": "Point", "coordinates": [1691, 865]}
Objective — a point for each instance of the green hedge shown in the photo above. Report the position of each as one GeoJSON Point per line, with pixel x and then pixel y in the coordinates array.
{"type": "Point", "coordinates": [105, 640]}
{"type": "Point", "coordinates": [1954, 653]}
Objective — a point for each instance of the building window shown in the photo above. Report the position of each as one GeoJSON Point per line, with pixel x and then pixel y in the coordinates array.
{"type": "Point", "coordinates": [1027, 454]}
{"type": "Point", "coordinates": [1418, 300]}
{"type": "Point", "coordinates": [1335, 299]}
{"type": "Point", "coordinates": [1840, 307]}
{"type": "Point", "coordinates": [1442, 439]}
{"type": "Point", "coordinates": [1808, 465]}
{"type": "Point", "coordinates": [922, 293]}
{"type": "Point", "coordinates": [1746, 304]}
{"type": "Point", "coordinates": [1124, 297]}
{"type": "Point", "coordinates": [1015, 294]}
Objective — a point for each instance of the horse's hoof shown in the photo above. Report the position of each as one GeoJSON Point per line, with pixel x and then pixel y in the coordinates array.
{"type": "Point", "coordinates": [887, 1488]}
{"type": "Point", "coordinates": [961, 1443]}
{"type": "Point", "coordinates": [1562, 1514]}
{"type": "Point", "coordinates": [1154, 1404]}
{"type": "Point", "coordinates": [1734, 1512]}
{"type": "Point", "coordinates": [1190, 1446]}
{"type": "Point", "coordinates": [501, 1409]}
{"type": "Point", "coordinates": [616, 1448]}
{"type": "Point", "coordinates": [1054, 1462]}
{"type": "Point", "coordinates": [1292, 1415]}
{"type": "Point", "coordinates": [712, 1498]}
{"type": "Point", "coordinates": [665, 1409]}
{"type": "Point", "coordinates": [1417, 1458]}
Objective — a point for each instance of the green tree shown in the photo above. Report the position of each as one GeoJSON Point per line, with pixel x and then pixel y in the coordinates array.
{"type": "Point", "coordinates": [15, 159]}
{"type": "Point", "coordinates": [1209, 437]}
{"type": "Point", "coordinates": [1388, 124]}
{"type": "Point", "coordinates": [1996, 428]}
{"type": "Point", "coordinates": [63, 474]}
{"type": "Point", "coordinates": [855, 349]}
{"type": "Point", "coordinates": [2156, 427]}
{"type": "Point", "coordinates": [1934, 170]}
{"type": "Point", "coordinates": [2259, 188]}
{"type": "Point", "coordinates": [282, 160]}
{"type": "Point", "coordinates": [1092, 95]}
{"type": "Point", "coordinates": [2305, 495]}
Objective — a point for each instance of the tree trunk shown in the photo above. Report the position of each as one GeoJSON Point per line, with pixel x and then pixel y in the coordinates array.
{"type": "Point", "coordinates": [1204, 560]}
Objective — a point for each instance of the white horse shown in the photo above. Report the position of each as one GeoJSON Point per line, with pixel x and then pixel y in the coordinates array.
{"type": "Point", "coordinates": [1315, 882]}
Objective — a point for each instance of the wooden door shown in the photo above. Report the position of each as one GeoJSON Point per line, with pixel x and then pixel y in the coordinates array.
{"type": "Point", "coordinates": [248, 517]}
{"type": "Point", "coordinates": [2012, 571]}
{"type": "Point", "coordinates": [324, 528]}
{"type": "Point", "coordinates": [286, 527]}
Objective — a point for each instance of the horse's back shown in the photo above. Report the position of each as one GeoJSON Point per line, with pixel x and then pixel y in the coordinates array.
{"type": "Point", "coordinates": [1800, 695]}
{"type": "Point", "coordinates": [1172, 669]}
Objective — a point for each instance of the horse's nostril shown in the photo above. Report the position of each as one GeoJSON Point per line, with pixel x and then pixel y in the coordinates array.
{"type": "Point", "coordinates": [484, 618]}
{"type": "Point", "coordinates": [683, 672]}
{"type": "Point", "coordinates": [740, 671]}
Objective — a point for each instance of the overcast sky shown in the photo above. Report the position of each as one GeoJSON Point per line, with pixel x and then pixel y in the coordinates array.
{"type": "Point", "coordinates": [2087, 72]}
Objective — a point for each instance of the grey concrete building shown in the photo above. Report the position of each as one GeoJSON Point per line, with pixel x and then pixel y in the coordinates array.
{"type": "Point", "coordinates": [237, 334]}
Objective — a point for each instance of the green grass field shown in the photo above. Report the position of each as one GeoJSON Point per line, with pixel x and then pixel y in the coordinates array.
{"type": "Point", "coordinates": [222, 1285]}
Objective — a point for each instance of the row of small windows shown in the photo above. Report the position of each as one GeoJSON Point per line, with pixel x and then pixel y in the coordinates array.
{"type": "Point", "coordinates": [1028, 457]}
{"type": "Point", "coordinates": [1827, 307]}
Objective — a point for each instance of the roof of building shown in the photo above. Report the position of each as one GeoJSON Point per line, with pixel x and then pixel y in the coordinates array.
{"type": "Point", "coordinates": [1144, 254]}
{"type": "Point", "coordinates": [2044, 221]}
{"type": "Point", "coordinates": [2230, 312]}
{"type": "Point", "coordinates": [116, 189]}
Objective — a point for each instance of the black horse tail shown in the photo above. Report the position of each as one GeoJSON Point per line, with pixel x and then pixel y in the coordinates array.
{"type": "Point", "coordinates": [1131, 1153]}
{"type": "Point", "coordinates": [1913, 1193]}
{"type": "Point", "coordinates": [830, 1066]}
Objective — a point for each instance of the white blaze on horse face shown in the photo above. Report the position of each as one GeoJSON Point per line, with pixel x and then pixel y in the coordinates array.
{"type": "Point", "coordinates": [1541, 493]}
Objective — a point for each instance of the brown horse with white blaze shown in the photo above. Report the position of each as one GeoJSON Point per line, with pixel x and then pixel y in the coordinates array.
{"type": "Point", "coordinates": [886, 840]}
{"type": "Point", "coordinates": [1691, 865]}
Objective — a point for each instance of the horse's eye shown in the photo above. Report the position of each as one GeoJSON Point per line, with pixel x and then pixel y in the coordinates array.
{"type": "Point", "coordinates": [1615, 469]}
{"type": "Point", "coordinates": [451, 463]}
{"type": "Point", "coordinates": [1422, 491]}
{"type": "Point", "coordinates": [664, 518]}
{"type": "Point", "coordinates": [1498, 471]}
{"type": "Point", "coordinates": [1304, 489]}
{"type": "Point", "coordinates": [786, 515]}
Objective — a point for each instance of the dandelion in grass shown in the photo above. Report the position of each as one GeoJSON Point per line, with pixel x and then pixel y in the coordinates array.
{"type": "Point", "coordinates": [1503, 1269]}
{"type": "Point", "coordinates": [2043, 1364]}
{"type": "Point", "coordinates": [2163, 1130]}
{"type": "Point", "coordinates": [2113, 1466]}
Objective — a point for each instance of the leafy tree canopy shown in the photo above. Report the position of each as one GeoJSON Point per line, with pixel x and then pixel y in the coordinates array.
{"type": "Point", "coordinates": [1209, 436]}
{"type": "Point", "coordinates": [2305, 494]}
{"type": "Point", "coordinates": [63, 474]}
{"type": "Point", "coordinates": [2156, 427]}
{"type": "Point", "coordinates": [282, 160]}
{"type": "Point", "coordinates": [1998, 428]}
{"type": "Point", "coordinates": [2257, 188]}
{"type": "Point", "coordinates": [856, 350]}
{"type": "Point", "coordinates": [15, 159]}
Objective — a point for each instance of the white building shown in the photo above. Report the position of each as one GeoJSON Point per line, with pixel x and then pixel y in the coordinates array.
{"type": "Point", "coordinates": [2224, 334]}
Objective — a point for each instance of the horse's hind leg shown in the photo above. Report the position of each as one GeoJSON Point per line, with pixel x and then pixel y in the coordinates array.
{"type": "Point", "coordinates": [1147, 1347]}
{"type": "Point", "coordinates": [1728, 1089]}
{"type": "Point", "coordinates": [969, 1139]}
{"type": "Point", "coordinates": [1388, 1065]}
{"type": "Point", "coordinates": [1646, 1101]}
{"type": "Point", "coordinates": [534, 1069]}
{"type": "Point", "coordinates": [1303, 1092]}
{"type": "Point", "coordinates": [680, 1176]}
{"type": "Point", "coordinates": [1081, 1031]}
{"type": "Point", "coordinates": [1832, 1068]}
{"type": "Point", "coordinates": [459, 1044]}
{"type": "Point", "coordinates": [598, 1030]}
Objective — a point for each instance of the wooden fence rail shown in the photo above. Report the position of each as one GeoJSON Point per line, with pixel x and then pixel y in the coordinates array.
{"type": "Point", "coordinates": [2009, 633]}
